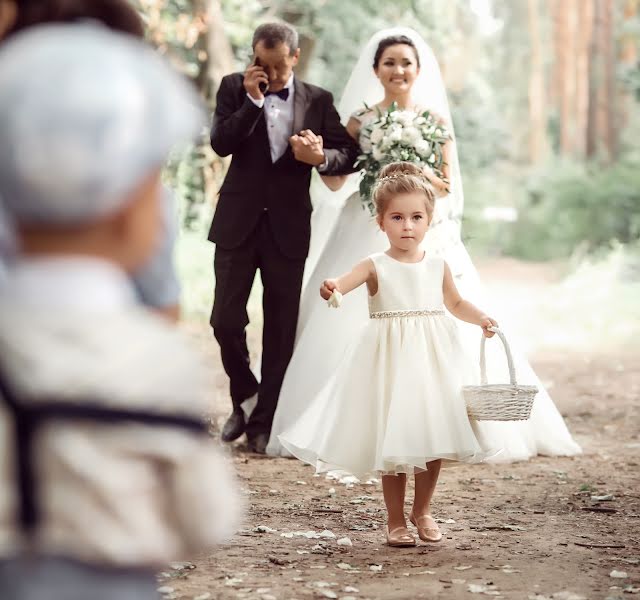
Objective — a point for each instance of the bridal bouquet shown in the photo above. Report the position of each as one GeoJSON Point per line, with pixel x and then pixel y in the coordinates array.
{"type": "Point", "coordinates": [399, 135]}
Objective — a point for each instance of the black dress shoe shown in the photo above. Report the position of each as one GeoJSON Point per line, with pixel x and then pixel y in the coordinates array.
{"type": "Point", "coordinates": [234, 427]}
{"type": "Point", "coordinates": [258, 443]}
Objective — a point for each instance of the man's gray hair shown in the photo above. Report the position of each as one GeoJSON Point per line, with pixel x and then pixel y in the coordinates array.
{"type": "Point", "coordinates": [274, 34]}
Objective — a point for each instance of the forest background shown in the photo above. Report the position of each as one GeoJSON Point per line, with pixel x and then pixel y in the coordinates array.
{"type": "Point", "coordinates": [545, 98]}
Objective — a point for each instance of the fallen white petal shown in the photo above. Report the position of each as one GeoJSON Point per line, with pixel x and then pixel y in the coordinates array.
{"type": "Point", "coordinates": [326, 534]}
{"type": "Point", "coordinates": [618, 574]}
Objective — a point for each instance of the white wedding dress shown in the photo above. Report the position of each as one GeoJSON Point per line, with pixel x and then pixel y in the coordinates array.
{"type": "Point", "coordinates": [343, 234]}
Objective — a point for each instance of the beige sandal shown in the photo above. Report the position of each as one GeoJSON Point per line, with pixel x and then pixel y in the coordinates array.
{"type": "Point", "coordinates": [426, 534]}
{"type": "Point", "coordinates": [400, 537]}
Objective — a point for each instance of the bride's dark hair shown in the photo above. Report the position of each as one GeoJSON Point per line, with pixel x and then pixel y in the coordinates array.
{"type": "Point", "coordinates": [394, 40]}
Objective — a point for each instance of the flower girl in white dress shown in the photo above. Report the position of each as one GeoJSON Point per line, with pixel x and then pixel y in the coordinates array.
{"type": "Point", "coordinates": [395, 406]}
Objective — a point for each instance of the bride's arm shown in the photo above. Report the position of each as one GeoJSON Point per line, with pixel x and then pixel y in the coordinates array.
{"type": "Point", "coordinates": [441, 186]}
{"type": "Point", "coordinates": [335, 182]}
{"type": "Point", "coordinates": [363, 272]}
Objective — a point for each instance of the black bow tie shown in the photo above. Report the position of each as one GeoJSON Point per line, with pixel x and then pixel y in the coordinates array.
{"type": "Point", "coordinates": [283, 94]}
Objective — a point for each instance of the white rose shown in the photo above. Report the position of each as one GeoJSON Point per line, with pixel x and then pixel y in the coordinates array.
{"type": "Point", "coordinates": [377, 135]}
{"type": "Point", "coordinates": [385, 144]}
{"type": "Point", "coordinates": [410, 135]}
{"type": "Point", "coordinates": [394, 134]}
{"type": "Point", "coordinates": [420, 121]}
{"type": "Point", "coordinates": [405, 118]}
{"type": "Point", "coordinates": [422, 147]}
{"type": "Point", "coordinates": [377, 153]}
{"type": "Point", "coordinates": [365, 144]}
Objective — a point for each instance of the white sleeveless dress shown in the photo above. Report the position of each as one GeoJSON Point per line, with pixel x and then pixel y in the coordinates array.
{"type": "Point", "coordinates": [396, 401]}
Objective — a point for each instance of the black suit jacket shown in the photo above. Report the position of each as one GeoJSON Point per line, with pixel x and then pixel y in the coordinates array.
{"type": "Point", "coordinates": [254, 184]}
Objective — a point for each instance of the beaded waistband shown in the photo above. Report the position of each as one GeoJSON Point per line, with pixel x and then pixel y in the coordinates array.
{"type": "Point", "coordinates": [390, 314]}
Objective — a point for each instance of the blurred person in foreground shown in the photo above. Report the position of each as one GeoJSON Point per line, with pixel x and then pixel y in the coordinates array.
{"type": "Point", "coordinates": [106, 468]}
{"type": "Point", "coordinates": [155, 281]}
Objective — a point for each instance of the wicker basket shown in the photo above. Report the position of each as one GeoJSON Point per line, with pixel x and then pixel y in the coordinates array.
{"type": "Point", "coordinates": [499, 402]}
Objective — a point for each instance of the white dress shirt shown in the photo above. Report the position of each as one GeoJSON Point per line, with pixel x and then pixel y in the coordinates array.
{"type": "Point", "coordinates": [279, 117]}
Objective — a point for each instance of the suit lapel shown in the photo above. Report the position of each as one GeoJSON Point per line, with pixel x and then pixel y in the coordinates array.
{"type": "Point", "coordinates": [300, 104]}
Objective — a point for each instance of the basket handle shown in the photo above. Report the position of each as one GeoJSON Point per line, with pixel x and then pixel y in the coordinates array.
{"type": "Point", "coordinates": [507, 349]}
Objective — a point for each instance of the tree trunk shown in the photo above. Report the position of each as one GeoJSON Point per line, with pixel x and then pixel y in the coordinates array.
{"type": "Point", "coordinates": [610, 71]}
{"type": "Point", "coordinates": [583, 56]}
{"type": "Point", "coordinates": [220, 54]}
{"type": "Point", "coordinates": [628, 59]}
{"type": "Point", "coordinates": [538, 142]}
{"type": "Point", "coordinates": [307, 45]}
{"type": "Point", "coordinates": [604, 80]}
{"type": "Point", "coordinates": [592, 116]}
{"type": "Point", "coordinates": [565, 29]}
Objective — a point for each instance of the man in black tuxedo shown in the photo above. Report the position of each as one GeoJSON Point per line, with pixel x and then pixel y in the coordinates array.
{"type": "Point", "coordinates": [278, 129]}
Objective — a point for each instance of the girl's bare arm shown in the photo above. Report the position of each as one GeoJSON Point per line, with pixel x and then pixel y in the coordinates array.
{"type": "Point", "coordinates": [363, 272]}
{"type": "Point", "coordinates": [463, 309]}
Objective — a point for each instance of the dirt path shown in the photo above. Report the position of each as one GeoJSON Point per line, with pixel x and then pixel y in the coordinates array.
{"type": "Point", "coordinates": [524, 530]}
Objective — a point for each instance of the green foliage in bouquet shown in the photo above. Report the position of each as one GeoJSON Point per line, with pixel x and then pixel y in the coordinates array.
{"type": "Point", "coordinates": [399, 135]}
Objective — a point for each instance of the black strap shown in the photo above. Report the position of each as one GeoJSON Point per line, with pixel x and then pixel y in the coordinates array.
{"type": "Point", "coordinates": [28, 417]}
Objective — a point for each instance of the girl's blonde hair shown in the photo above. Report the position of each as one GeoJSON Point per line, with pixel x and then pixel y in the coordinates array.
{"type": "Point", "coordinates": [401, 178]}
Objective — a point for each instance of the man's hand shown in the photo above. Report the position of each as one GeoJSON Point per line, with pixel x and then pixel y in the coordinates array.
{"type": "Point", "coordinates": [253, 77]}
{"type": "Point", "coordinates": [308, 148]}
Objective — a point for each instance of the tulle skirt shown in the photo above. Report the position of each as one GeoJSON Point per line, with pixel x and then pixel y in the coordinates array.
{"type": "Point", "coordinates": [394, 405]}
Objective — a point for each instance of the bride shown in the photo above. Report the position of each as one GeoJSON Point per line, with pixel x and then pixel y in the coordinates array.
{"type": "Point", "coordinates": [396, 66]}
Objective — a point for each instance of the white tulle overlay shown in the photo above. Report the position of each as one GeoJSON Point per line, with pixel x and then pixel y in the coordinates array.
{"type": "Point", "coordinates": [343, 233]}
{"type": "Point", "coordinates": [395, 403]}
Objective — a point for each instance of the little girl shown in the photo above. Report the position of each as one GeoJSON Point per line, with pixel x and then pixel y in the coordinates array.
{"type": "Point", "coordinates": [395, 406]}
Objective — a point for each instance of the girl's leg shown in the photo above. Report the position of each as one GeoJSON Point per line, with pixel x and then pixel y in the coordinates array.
{"type": "Point", "coordinates": [426, 481]}
{"type": "Point", "coordinates": [425, 486]}
{"type": "Point", "coordinates": [393, 489]}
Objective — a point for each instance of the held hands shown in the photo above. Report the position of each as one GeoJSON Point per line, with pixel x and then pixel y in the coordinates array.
{"type": "Point", "coordinates": [253, 77]}
{"type": "Point", "coordinates": [485, 323]}
{"type": "Point", "coordinates": [308, 148]}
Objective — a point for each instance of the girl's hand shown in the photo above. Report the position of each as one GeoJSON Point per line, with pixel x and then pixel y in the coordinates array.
{"type": "Point", "coordinates": [485, 323]}
{"type": "Point", "coordinates": [327, 287]}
